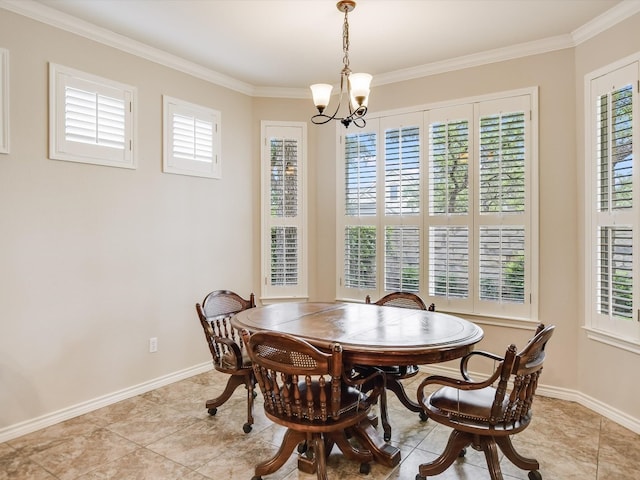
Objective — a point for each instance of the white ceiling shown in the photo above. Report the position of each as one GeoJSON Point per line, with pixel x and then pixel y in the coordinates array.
{"type": "Point", "coordinates": [292, 43]}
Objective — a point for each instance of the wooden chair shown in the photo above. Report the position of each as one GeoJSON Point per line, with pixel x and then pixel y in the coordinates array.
{"type": "Point", "coordinates": [308, 392]}
{"type": "Point", "coordinates": [226, 346]}
{"type": "Point", "coordinates": [485, 416]}
{"type": "Point", "coordinates": [395, 374]}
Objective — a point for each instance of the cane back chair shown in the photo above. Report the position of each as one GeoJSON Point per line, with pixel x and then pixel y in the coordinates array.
{"type": "Point", "coordinates": [395, 374]}
{"type": "Point", "coordinates": [485, 416]}
{"type": "Point", "coordinates": [227, 349]}
{"type": "Point", "coordinates": [308, 392]}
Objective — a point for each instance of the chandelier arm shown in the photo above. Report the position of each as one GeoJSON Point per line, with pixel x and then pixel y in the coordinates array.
{"type": "Point", "coordinates": [357, 109]}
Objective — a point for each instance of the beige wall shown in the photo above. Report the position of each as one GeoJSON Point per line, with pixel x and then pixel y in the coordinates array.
{"type": "Point", "coordinates": [602, 369]}
{"type": "Point", "coordinates": [95, 260]}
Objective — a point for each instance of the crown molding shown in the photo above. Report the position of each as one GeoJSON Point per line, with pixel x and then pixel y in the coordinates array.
{"type": "Point", "coordinates": [50, 16]}
{"type": "Point", "coordinates": [476, 59]}
{"type": "Point", "coordinates": [608, 19]}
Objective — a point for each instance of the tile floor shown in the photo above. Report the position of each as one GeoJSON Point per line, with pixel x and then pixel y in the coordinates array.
{"type": "Point", "coordinates": [167, 434]}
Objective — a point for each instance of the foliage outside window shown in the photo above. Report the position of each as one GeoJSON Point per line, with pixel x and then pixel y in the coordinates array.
{"type": "Point", "coordinates": [284, 264]}
{"type": "Point", "coordinates": [612, 222]}
{"type": "Point", "coordinates": [456, 211]}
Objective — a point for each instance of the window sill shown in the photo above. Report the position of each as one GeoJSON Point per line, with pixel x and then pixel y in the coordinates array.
{"type": "Point", "coordinates": [612, 340]}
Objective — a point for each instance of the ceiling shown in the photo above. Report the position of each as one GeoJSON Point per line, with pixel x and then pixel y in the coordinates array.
{"type": "Point", "coordinates": [290, 44]}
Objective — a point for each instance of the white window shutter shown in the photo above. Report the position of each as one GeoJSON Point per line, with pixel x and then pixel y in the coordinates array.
{"type": "Point", "coordinates": [613, 223]}
{"type": "Point", "coordinates": [191, 139]}
{"type": "Point", "coordinates": [91, 119]}
{"type": "Point", "coordinates": [284, 227]}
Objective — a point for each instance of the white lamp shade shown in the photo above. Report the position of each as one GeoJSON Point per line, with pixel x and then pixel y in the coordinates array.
{"type": "Point", "coordinates": [321, 94]}
{"type": "Point", "coordinates": [359, 84]}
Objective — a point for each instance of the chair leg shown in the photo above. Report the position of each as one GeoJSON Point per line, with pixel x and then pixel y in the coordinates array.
{"type": "Point", "coordinates": [249, 383]}
{"type": "Point", "coordinates": [289, 442]}
{"type": "Point", "coordinates": [490, 449]}
{"type": "Point", "coordinates": [457, 441]}
{"type": "Point", "coordinates": [320, 456]}
{"type": "Point", "coordinates": [234, 382]}
{"type": "Point", "coordinates": [518, 460]}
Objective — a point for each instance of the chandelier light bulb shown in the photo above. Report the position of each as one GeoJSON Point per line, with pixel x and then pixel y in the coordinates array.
{"type": "Point", "coordinates": [321, 95]}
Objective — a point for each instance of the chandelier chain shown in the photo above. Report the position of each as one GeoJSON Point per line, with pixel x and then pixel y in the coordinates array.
{"type": "Point", "coordinates": [345, 41]}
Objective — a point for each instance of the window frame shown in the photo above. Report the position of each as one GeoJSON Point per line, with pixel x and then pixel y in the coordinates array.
{"type": "Point", "coordinates": [299, 291]}
{"type": "Point", "coordinates": [190, 166]}
{"type": "Point", "coordinates": [62, 149]}
{"type": "Point", "coordinates": [528, 312]}
{"type": "Point", "coordinates": [599, 327]}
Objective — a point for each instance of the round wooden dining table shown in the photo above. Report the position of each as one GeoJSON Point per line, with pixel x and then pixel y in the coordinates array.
{"type": "Point", "coordinates": [370, 335]}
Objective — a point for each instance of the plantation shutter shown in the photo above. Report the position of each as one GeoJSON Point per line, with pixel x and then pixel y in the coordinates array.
{"type": "Point", "coordinates": [191, 139]}
{"type": "Point", "coordinates": [401, 220]}
{"type": "Point", "coordinates": [614, 224]}
{"type": "Point", "coordinates": [503, 217]}
{"type": "Point", "coordinates": [359, 207]}
{"type": "Point", "coordinates": [285, 267]}
{"type": "Point", "coordinates": [91, 118]}
{"type": "Point", "coordinates": [449, 217]}
{"type": "Point", "coordinates": [94, 119]}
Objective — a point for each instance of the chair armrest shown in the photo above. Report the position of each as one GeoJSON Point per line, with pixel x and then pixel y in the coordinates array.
{"type": "Point", "coordinates": [375, 381]}
{"type": "Point", "coordinates": [233, 348]}
{"type": "Point", "coordinates": [455, 383]}
{"type": "Point", "coordinates": [465, 360]}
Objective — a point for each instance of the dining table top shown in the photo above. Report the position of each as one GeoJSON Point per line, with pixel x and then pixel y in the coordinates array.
{"type": "Point", "coordinates": [369, 334]}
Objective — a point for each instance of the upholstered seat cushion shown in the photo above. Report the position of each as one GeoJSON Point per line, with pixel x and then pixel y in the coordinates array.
{"type": "Point", "coordinates": [468, 404]}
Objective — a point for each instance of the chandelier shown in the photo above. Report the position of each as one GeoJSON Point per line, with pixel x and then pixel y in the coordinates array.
{"type": "Point", "coordinates": [356, 84]}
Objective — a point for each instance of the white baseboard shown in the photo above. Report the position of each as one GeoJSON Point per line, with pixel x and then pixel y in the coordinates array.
{"type": "Point", "coordinates": [597, 406]}
{"type": "Point", "coordinates": [22, 428]}
{"type": "Point", "coordinates": [28, 426]}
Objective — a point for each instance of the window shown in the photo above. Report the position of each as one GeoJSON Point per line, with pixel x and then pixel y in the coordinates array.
{"type": "Point", "coordinates": [91, 119]}
{"type": "Point", "coordinates": [191, 139]}
{"type": "Point", "coordinates": [455, 220]}
{"type": "Point", "coordinates": [612, 221]}
{"type": "Point", "coordinates": [4, 101]}
{"type": "Point", "coordinates": [284, 217]}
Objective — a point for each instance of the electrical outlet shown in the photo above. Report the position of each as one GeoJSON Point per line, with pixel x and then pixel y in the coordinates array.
{"type": "Point", "coordinates": [153, 344]}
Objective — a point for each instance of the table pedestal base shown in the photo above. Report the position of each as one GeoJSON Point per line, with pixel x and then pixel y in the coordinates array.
{"type": "Point", "coordinates": [383, 453]}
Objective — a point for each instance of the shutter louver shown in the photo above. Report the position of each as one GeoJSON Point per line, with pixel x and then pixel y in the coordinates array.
{"type": "Point", "coordinates": [449, 261]}
{"type": "Point", "coordinates": [502, 263]}
{"type": "Point", "coordinates": [284, 256]}
{"type": "Point", "coordinates": [402, 259]}
{"type": "Point", "coordinates": [502, 163]}
{"type": "Point", "coordinates": [360, 257]}
{"type": "Point", "coordinates": [360, 174]}
{"type": "Point", "coordinates": [192, 138]}
{"type": "Point", "coordinates": [449, 168]}
{"type": "Point", "coordinates": [284, 178]}
{"type": "Point", "coordinates": [94, 119]}
{"type": "Point", "coordinates": [402, 171]}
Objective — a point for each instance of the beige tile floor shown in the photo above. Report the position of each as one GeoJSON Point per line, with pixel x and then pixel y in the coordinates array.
{"type": "Point", "coordinates": [167, 434]}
